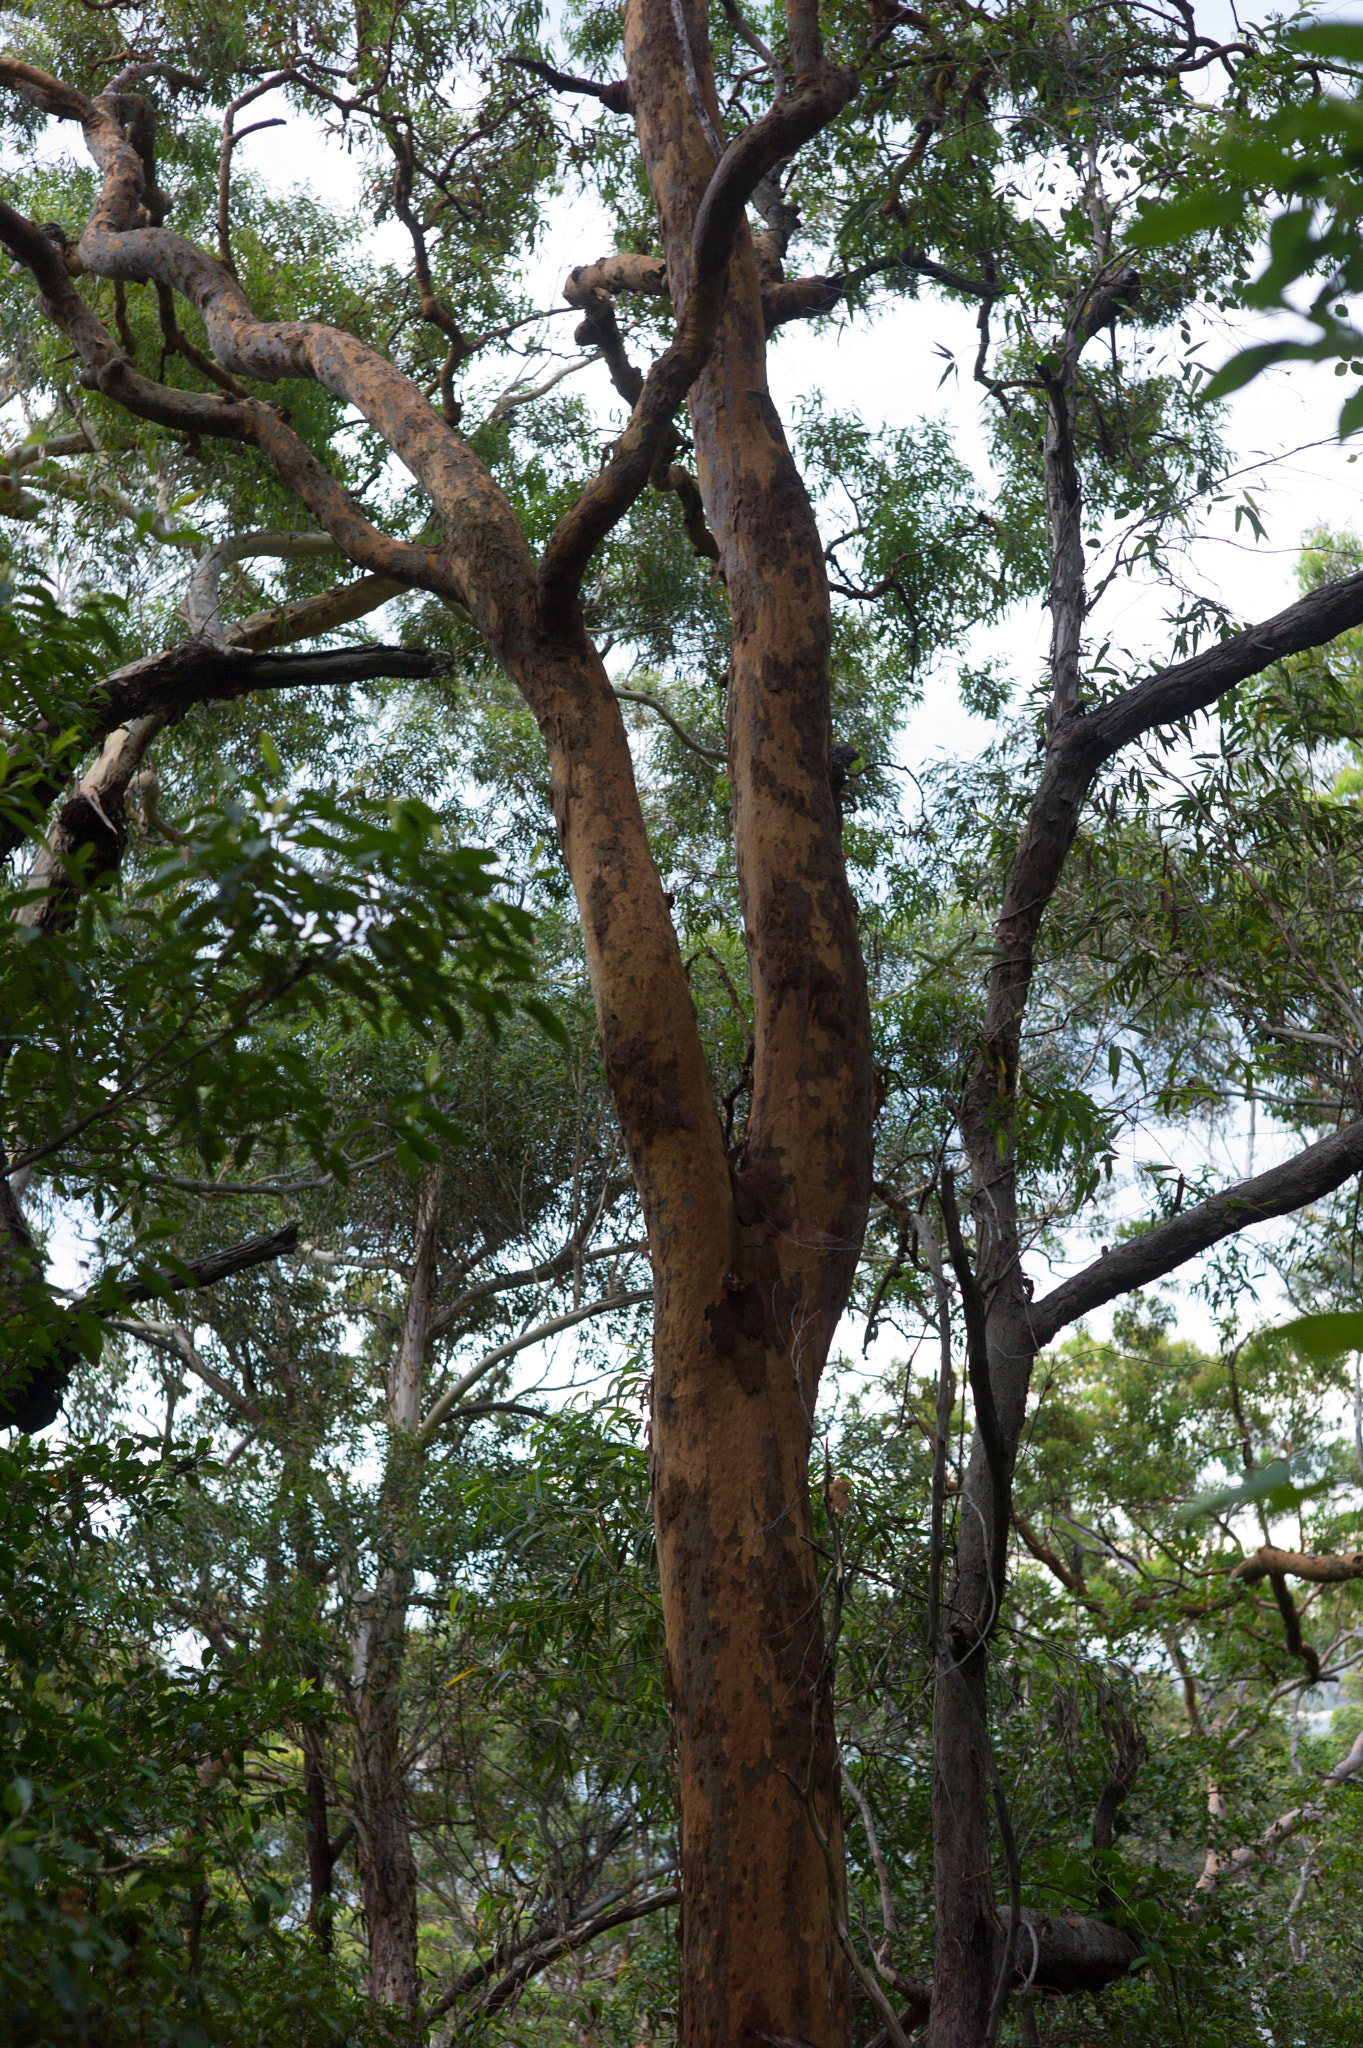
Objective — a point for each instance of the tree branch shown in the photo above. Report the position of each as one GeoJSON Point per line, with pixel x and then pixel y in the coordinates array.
{"type": "Point", "coordinates": [1073, 1582]}
{"type": "Point", "coordinates": [1245, 1859]}
{"type": "Point", "coordinates": [547, 1952]}
{"type": "Point", "coordinates": [204, 1271]}
{"type": "Point", "coordinates": [32, 1398]}
{"type": "Point", "coordinates": [483, 548]}
{"type": "Point", "coordinates": [1177, 692]}
{"type": "Point", "coordinates": [449, 1401]}
{"type": "Point", "coordinates": [445, 1318]}
{"type": "Point", "coordinates": [177, 1339]}
{"type": "Point", "coordinates": [1316, 1171]}
{"type": "Point", "coordinates": [201, 600]}
{"type": "Point", "coordinates": [688, 739]}
{"type": "Point", "coordinates": [1323, 1570]}
{"type": "Point", "coordinates": [1057, 1952]}
{"type": "Point", "coordinates": [104, 368]}
{"type": "Point", "coordinates": [975, 1317]}
{"type": "Point", "coordinates": [614, 97]}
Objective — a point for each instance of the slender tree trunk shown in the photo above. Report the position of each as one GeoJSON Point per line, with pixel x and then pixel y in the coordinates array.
{"type": "Point", "coordinates": [388, 1878]}
{"type": "Point", "coordinates": [966, 1931]}
{"type": "Point", "coordinates": [388, 1888]}
{"type": "Point", "coordinates": [969, 1937]}
{"type": "Point", "coordinates": [971, 1946]}
{"type": "Point", "coordinates": [321, 1861]}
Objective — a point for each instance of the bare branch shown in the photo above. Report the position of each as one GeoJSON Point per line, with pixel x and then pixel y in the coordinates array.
{"type": "Point", "coordinates": [743, 28]}
{"type": "Point", "coordinates": [1073, 1582]}
{"type": "Point", "coordinates": [230, 139]}
{"type": "Point", "coordinates": [323, 614]}
{"type": "Point", "coordinates": [564, 1262]}
{"type": "Point", "coordinates": [623, 272]}
{"type": "Point", "coordinates": [205, 1271]}
{"type": "Point", "coordinates": [1316, 1171]}
{"type": "Point", "coordinates": [547, 1952]}
{"type": "Point", "coordinates": [689, 739]}
{"type": "Point", "coordinates": [1323, 1570]}
{"type": "Point", "coordinates": [1175, 693]}
{"type": "Point", "coordinates": [614, 97]}
{"type": "Point", "coordinates": [193, 412]}
{"type": "Point", "coordinates": [449, 1401]}
{"type": "Point", "coordinates": [201, 601]}
{"type": "Point", "coordinates": [1243, 1860]}
{"type": "Point", "coordinates": [177, 1339]}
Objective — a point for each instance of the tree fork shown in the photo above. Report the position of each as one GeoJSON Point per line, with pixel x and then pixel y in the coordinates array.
{"type": "Point", "coordinates": [742, 1332]}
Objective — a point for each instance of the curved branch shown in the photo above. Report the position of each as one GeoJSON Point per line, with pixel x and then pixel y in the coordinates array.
{"type": "Point", "coordinates": [1293, 1640]}
{"type": "Point", "coordinates": [484, 548]}
{"type": "Point", "coordinates": [1316, 1171]}
{"type": "Point", "coordinates": [1323, 1570]}
{"type": "Point", "coordinates": [546, 1952]}
{"type": "Point", "coordinates": [31, 1397]}
{"type": "Point", "coordinates": [1245, 1859]}
{"type": "Point", "coordinates": [715, 754]}
{"type": "Point", "coordinates": [449, 1401]}
{"type": "Point", "coordinates": [201, 599]}
{"type": "Point", "coordinates": [217, 414]}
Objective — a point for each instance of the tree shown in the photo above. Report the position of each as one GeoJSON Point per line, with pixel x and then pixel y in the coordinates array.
{"type": "Point", "coordinates": [754, 1241]}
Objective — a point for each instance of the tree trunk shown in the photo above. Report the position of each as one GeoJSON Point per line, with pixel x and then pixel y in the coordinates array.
{"type": "Point", "coordinates": [966, 1941]}
{"type": "Point", "coordinates": [383, 1831]}
{"type": "Point", "coordinates": [388, 1882]}
{"type": "Point", "coordinates": [749, 1287]}
{"type": "Point", "coordinates": [747, 1677]}
{"type": "Point", "coordinates": [321, 1861]}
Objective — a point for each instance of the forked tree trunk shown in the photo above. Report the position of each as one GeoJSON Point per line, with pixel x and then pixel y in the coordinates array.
{"type": "Point", "coordinates": [751, 1280]}
{"type": "Point", "coordinates": [752, 1262]}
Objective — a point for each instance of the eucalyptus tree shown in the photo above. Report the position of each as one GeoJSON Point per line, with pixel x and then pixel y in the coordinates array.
{"type": "Point", "coordinates": [944, 136]}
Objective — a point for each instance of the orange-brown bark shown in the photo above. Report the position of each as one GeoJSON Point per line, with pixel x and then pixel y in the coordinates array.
{"type": "Point", "coordinates": [744, 1321]}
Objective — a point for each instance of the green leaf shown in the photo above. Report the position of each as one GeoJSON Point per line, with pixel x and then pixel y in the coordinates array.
{"type": "Point", "coordinates": [1325, 1336]}
{"type": "Point", "coordinates": [1199, 213]}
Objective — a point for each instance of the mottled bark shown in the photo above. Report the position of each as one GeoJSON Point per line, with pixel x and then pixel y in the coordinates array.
{"type": "Point", "coordinates": [752, 1260]}
{"type": "Point", "coordinates": [1322, 1568]}
{"type": "Point", "coordinates": [753, 1270]}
